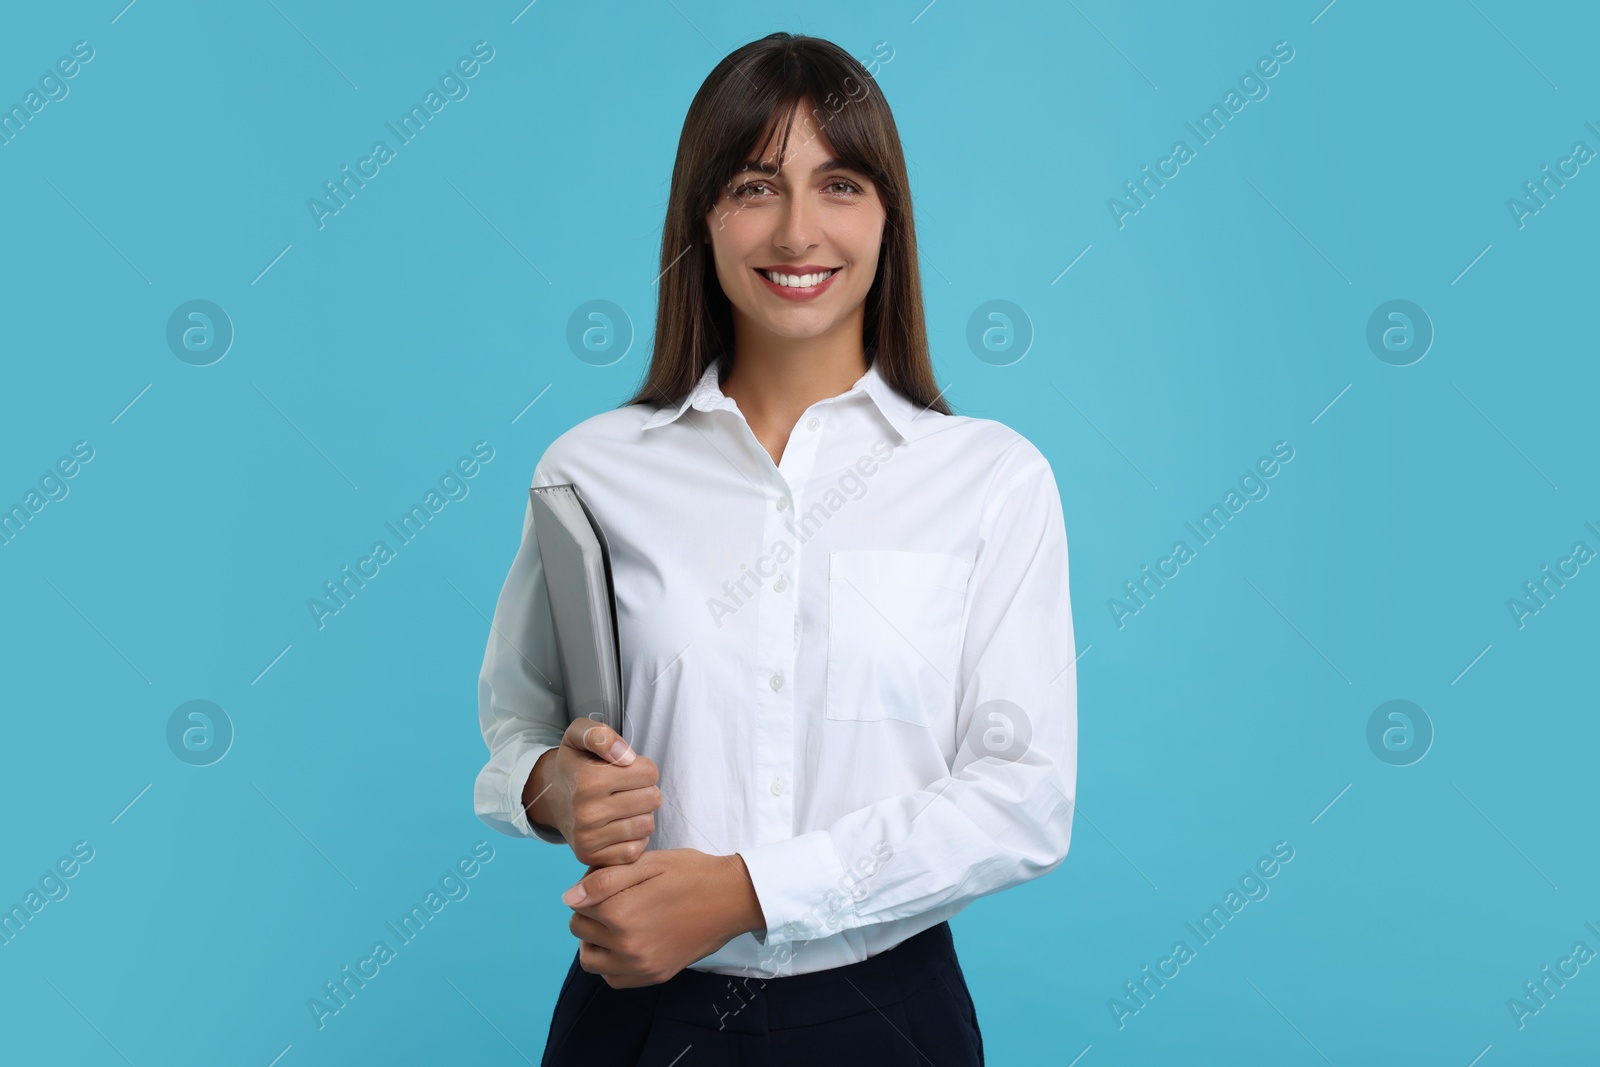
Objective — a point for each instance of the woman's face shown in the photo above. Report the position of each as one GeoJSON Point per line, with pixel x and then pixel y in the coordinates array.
{"type": "Point", "coordinates": [777, 233]}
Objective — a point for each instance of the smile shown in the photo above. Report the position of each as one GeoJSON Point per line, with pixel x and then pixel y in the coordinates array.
{"type": "Point", "coordinates": [798, 286]}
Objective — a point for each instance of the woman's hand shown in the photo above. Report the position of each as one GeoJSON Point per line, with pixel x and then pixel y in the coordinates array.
{"type": "Point", "coordinates": [597, 792]}
{"type": "Point", "coordinates": [642, 923]}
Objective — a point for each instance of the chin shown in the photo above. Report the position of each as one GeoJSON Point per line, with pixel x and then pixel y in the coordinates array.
{"type": "Point", "coordinates": [796, 335]}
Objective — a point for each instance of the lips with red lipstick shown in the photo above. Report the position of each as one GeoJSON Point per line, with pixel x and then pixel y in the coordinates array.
{"type": "Point", "coordinates": [798, 281]}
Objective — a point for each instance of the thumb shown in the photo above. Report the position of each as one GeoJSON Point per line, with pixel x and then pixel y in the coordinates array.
{"type": "Point", "coordinates": [587, 735]}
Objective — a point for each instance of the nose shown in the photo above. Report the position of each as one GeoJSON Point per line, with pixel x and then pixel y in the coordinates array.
{"type": "Point", "coordinates": [797, 226]}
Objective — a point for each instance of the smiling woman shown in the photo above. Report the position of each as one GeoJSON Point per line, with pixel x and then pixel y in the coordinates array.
{"type": "Point", "coordinates": [807, 791]}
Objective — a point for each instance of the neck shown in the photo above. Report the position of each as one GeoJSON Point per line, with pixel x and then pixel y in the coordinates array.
{"type": "Point", "coordinates": [774, 379]}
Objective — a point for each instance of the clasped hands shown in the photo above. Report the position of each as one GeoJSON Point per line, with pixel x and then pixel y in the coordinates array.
{"type": "Point", "coordinates": [640, 916]}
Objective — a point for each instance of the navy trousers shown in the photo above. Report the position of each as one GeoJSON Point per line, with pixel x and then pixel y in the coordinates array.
{"type": "Point", "coordinates": [907, 1007]}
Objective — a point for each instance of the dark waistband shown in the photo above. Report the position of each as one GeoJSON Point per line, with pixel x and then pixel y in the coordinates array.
{"type": "Point", "coordinates": [756, 1004]}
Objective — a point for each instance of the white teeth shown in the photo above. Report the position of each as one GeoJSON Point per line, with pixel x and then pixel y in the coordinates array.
{"type": "Point", "coordinates": [797, 281]}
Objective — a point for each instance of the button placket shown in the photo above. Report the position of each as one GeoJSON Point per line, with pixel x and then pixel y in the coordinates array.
{"type": "Point", "coordinates": [778, 638]}
{"type": "Point", "coordinates": [774, 701]}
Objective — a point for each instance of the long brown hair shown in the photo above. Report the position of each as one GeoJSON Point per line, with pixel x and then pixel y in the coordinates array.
{"type": "Point", "coordinates": [731, 118]}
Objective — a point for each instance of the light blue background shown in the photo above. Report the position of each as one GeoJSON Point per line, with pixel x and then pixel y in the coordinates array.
{"type": "Point", "coordinates": [428, 314]}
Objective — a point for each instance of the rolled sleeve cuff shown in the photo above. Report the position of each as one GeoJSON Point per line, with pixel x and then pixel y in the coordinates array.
{"type": "Point", "coordinates": [798, 882]}
{"type": "Point", "coordinates": [516, 779]}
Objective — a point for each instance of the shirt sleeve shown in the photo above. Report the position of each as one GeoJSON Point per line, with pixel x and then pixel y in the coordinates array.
{"type": "Point", "coordinates": [521, 708]}
{"type": "Point", "coordinates": [1003, 815]}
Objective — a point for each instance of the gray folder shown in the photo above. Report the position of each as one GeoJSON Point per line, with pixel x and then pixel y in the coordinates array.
{"type": "Point", "coordinates": [583, 606]}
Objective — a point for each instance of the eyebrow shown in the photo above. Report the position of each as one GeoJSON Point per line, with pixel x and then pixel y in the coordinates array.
{"type": "Point", "coordinates": [757, 167]}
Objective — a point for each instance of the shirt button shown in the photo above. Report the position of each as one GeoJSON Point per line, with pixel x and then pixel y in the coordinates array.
{"type": "Point", "coordinates": [783, 503]}
{"type": "Point", "coordinates": [777, 681]}
{"type": "Point", "coordinates": [777, 786]}
{"type": "Point", "coordinates": [812, 424]}
{"type": "Point", "coordinates": [780, 585]}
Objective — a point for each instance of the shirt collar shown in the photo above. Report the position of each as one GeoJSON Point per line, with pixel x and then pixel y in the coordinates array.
{"type": "Point", "coordinates": [707, 395]}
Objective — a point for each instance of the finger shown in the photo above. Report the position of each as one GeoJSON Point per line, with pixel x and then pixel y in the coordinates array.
{"type": "Point", "coordinates": [597, 959]}
{"type": "Point", "coordinates": [624, 791]}
{"type": "Point", "coordinates": [638, 800]}
{"type": "Point", "coordinates": [619, 855]}
{"type": "Point", "coordinates": [598, 779]}
{"type": "Point", "coordinates": [588, 929]}
{"type": "Point", "coordinates": [600, 843]}
{"type": "Point", "coordinates": [635, 827]}
{"type": "Point", "coordinates": [617, 970]}
{"type": "Point", "coordinates": [598, 886]}
{"type": "Point", "coordinates": [618, 778]}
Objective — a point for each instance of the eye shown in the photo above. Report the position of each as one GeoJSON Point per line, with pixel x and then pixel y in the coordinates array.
{"type": "Point", "coordinates": [744, 190]}
{"type": "Point", "coordinates": [848, 185]}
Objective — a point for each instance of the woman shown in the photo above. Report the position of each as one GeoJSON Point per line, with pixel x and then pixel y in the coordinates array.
{"type": "Point", "coordinates": [846, 638]}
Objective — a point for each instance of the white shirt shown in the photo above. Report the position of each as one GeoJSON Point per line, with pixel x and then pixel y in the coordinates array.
{"type": "Point", "coordinates": [855, 667]}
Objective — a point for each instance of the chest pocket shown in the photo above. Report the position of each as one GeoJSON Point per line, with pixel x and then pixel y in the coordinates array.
{"type": "Point", "coordinates": [894, 634]}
